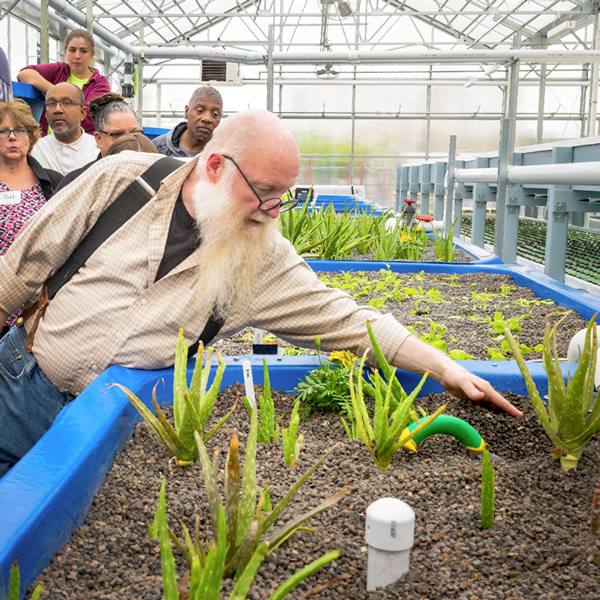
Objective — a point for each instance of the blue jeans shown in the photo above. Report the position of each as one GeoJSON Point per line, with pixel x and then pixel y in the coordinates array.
{"type": "Point", "coordinates": [29, 402]}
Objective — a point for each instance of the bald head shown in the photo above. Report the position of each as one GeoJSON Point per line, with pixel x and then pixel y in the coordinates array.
{"type": "Point", "coordinates": [65, 109]}
{"type": "Point", "coordinates": [249, 133]}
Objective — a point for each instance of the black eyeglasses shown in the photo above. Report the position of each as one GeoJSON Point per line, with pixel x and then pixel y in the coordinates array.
{"type": "Point", "coordinates": [65, 103]}
{"type": "Point", "coordinates": [115, 135]}
{"type": "Point", "coordinates": [267, 203]}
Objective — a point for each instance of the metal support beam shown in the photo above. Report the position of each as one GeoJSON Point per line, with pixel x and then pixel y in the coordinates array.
{"type": "Point", "coordinates": [270, 68]}
{"type": "Point", "coordinates": [450, 186]}
{"type": "Point", "coordinates": [44, 33]}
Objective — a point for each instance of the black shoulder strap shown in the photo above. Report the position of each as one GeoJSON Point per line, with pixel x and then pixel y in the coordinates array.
{"type": "Point", "coordinates": [133, 198]}
{"type": "Point", "coordinates": [212, 327]}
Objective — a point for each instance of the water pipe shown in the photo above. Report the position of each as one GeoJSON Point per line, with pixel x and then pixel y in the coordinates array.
{"type": "Point", "coordinates": [389, 533]}
{"type": "Point", "coordinates": [461, 430]}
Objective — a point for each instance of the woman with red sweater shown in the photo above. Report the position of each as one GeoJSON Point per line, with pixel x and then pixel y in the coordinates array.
{"type": "Point", "coordinates": [80, 51]}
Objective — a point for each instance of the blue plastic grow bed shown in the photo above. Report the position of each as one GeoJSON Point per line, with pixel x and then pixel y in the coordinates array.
{"type": "Point", "coordinates": [50, 491]}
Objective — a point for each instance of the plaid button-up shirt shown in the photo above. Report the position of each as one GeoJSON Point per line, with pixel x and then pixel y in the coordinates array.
{"type": "Point", "coordinates": [112, 311]}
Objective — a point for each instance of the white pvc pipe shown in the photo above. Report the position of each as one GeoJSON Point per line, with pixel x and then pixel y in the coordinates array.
{"type": "Point", "coordinates": [585, 173]}
{"type": "Point", "coordinates": [389, 533]}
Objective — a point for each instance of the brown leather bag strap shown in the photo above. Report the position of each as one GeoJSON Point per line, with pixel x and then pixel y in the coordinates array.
{"type": "Point", "coordinates": [39, 308]}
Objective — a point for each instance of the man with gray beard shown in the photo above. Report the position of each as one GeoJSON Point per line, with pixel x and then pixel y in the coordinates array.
{"type": "Point", "coordinates": [205, 244]}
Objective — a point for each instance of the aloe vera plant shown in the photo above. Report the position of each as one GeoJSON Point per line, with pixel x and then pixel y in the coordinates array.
{"type": "Point", "coordinates": [392, 414]}
{"type": "Point", "coordinates": [191, 406]}
{"type": "Point", "coordinates": [14, 585]}
{"type": "Point", "coordinates": [205, 580]}
{"type": "Point", "coordinates": [487, 491]}
{"type": "Point", "coordinates": [568, 421]}
{"type": "Point", "coordinates": [247, 519]}
{"type": "Point", "coordinates": [290, 440]}
{"type": "Point", "coordinates": [268, 428]}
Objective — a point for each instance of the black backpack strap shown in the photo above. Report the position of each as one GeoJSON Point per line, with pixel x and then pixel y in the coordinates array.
{"type": "Point", "coordinates": [212, 327]}
{"type": "Point", "coordinates": [131, 200]}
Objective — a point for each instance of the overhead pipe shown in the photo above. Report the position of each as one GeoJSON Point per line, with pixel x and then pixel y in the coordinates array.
{"type": "Point", "coordinates": [584, 173]}
{"type": "Point", "coordinates": [406, 56]}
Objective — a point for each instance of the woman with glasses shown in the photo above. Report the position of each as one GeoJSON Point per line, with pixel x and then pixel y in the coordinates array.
{"type": "Point", "coordinates": [113, 118]}
{"type": "Point", "coordinates": [78, 69]}
{"type": "Point", "coordinates": [25, 186]}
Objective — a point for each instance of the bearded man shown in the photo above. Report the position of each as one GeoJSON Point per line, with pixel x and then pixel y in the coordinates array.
{"type": "Point", "coordinates": [206, 244]}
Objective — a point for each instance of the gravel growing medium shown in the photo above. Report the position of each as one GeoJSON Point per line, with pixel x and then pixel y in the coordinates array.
{"type": "Point", "coordinates": [458, 311]}
{"type": "Point", "coordinates": [542, 544]}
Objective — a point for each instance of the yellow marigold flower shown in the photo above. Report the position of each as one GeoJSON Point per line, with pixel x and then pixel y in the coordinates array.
{"type": "Point", "coordinates": [346, 358]}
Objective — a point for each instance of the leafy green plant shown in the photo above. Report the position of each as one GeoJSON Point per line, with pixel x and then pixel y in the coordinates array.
{"type": "Point", "coordinates": [191, 406]}
{"type": "Point", "coordinates": [568, 421]}
{"type": "Point", "coordinates": [205, 578]}
{"type": "Point", "coordinates": [326, 388]}
{"type": "Point", "coordinates": [487, 491]}
{"type": "Point", "coordinates": [248, 520]}
{"type": "Point", "coordinates": [268, 428]}
{"type": "Point", "coordinates": [290, 440]}
{"type": "Point", "coordinates": [392, 412]}
{"type": "Point", "coordinates": [14, 585]}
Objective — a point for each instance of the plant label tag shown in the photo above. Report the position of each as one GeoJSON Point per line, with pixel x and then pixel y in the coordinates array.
{"type": "Point", "coordinates": [12, 197]}
{"type": "Point", "coordinates": [258, 336]}
{"type": "Point", "coordinates": [248, 382]}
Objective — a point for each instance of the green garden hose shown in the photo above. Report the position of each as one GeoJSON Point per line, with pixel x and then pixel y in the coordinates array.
{"type": "Point", "coordinates": [460, 429]}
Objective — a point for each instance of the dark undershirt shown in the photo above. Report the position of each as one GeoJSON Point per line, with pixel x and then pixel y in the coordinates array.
{"type": "Point", "coordinates": [182, 240]}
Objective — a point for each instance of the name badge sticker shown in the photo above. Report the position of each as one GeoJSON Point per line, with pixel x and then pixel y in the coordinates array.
{"type": "Point", "coordinates": [10, 197]}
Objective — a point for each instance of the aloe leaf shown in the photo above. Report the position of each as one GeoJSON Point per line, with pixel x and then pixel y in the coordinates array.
{"type": "Point", "coordinates": [171, 436]}
{"type": "Point", "coordinates": [208, 400]}
{"type": "Point", "coordinates": [361, 399]}
{"type": "Point", "coordinates": [196, 381]}
{"type": "Point", "coordinates": [292, 582]}
{"type": "Point", "coordinates": [14, 582]}
{"type": "Point", "coordinates": [153, 422]}
{"type": "Point", "coordinates": [240, 591]}
{"type": "Point", "coordinates": [572, 420]}
{"type": "Point", "coordinates": [196, 570]}
{"type": "Point", "coordinates": [212, 576]}
{"type": "Point", "coordinates": [278, 509]}
{"type": "Point", "coordinates": [401, 416]}
{"type": "Point", "coordinates": [232, 494]}
{"type": "Point", "coordinates": [358, 415]}
{"type": "Point", "coordinates": [179, 380]}
{"type": "Point", "coordinates": [534, 396]}
{"type": "Point", "coordinates": [284, 532]}
{"type": "Point", "coordinates": [210, 481]}
{"type": "Point", "coordinates": [166, 551]}
{"type": "Point", "coordinates": [248, 502]}
{"type": "Point", "coordinates": [267, 409]}
{"type": "Point", "coordinates": [189, 423]}
{"type": "Point", "coordinates": [380, 422]}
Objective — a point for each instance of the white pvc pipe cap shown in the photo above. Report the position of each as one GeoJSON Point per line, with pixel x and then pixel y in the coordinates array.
{"type": "Point", "coordinates": [390, 525]}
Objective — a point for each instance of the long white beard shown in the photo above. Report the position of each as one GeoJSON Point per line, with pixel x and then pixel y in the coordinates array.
{"type": "Point", "coordinates": [232, 251]}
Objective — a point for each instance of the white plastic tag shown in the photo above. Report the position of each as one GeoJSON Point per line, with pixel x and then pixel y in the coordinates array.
{"type": "Point", "coordinates": [248, 382]}
{"type": "Point", "coordinates": [12, 197]}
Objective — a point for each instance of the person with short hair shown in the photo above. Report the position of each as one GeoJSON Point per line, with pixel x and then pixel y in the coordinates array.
{"type": "Point", "coordinates": [203, 114]}
{"type": "Point", "coordinates": [80, 51]}
{"type": "Point", "coordinates": [69, 146]}
{"type": "Point", "coordinates": [205, 249]}
{"type": "Point", "coordinates": [113, 118]}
